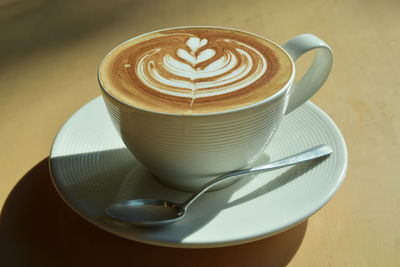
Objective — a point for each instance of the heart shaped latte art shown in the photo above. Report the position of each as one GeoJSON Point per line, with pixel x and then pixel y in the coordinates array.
{"type": "Point", "coordinates": [200, 68]}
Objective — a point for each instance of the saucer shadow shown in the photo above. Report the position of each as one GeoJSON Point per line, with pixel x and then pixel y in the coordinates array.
{"type": "Point", "coordinates": [37, 228]}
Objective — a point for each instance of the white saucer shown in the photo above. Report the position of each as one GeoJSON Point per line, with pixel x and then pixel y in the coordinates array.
{"type": "Point", "coordinates": [91, 168]}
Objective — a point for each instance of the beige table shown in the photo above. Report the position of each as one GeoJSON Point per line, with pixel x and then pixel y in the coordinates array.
{"type": "Point", "coordinates": [50, 51]}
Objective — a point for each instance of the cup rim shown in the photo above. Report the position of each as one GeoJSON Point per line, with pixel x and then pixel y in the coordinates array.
{"type": "Point", "coordinates": [268, 99]}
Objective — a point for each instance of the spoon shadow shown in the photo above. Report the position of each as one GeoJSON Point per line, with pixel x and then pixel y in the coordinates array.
{"type": "Point", "coordinates": [210, 204]}
{"type": "Point", "coordinates": [291, 174]}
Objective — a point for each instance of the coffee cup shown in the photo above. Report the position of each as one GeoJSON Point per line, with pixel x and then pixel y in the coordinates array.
{"type": "Point", "coordinates": [192, 103]}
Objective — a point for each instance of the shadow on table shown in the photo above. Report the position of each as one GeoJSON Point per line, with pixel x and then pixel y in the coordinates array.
{"type": "Point", "coordinates": [30, 25]}
{"type": "Point", "coordinates": [37, 228]}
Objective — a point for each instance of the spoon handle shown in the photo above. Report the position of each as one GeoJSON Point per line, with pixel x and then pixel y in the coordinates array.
{"type": "Point", "coordinates": [307, 155]}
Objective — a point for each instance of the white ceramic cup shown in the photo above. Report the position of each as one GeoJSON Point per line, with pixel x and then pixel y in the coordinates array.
{"type": "Point", "coordinates": [186, 151]}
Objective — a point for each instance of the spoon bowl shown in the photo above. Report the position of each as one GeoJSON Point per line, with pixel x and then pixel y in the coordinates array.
{"type": "Point", "coordinates": [146, 211]}
{"type": "Point", "coordinates": [155, 212]}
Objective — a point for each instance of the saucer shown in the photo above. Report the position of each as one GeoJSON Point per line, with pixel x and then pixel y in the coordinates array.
{"type": "Point", "coordinates": [91, 169]}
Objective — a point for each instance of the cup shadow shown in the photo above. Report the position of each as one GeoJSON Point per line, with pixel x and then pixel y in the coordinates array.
{"type": "Point", "coordinates": [37, 228]}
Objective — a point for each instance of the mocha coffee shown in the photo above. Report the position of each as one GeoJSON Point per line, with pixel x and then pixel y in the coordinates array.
{"type": "Point", "coordinates": [195, 70]}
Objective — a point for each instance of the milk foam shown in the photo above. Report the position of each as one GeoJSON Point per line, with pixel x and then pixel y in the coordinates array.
{"type": "Point", "coordinates": [195, 70]}
{"type": "Point", "coordinates": [179, 74]}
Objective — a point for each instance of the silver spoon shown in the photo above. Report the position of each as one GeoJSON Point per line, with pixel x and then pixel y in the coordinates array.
{"type": "Point", "coordinates": [154, 212]}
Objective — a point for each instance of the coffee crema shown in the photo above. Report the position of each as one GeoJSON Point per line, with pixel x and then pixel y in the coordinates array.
{"type": "Point", "coordinates": [195, 70]}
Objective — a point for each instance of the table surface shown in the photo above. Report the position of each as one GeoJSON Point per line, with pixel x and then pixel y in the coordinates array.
{"type": "Point", "coordinates": [50, 51]}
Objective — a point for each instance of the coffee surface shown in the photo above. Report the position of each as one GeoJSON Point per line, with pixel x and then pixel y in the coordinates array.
{"type": "Point", "coordinates": [195, 70]}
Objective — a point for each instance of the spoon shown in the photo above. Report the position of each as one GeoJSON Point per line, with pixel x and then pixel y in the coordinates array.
{"type": "Point", "coordinates": [155, 212]}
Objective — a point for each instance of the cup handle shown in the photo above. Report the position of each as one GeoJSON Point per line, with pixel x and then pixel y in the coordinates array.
{"type": "Point", "coordinates": [318, 72]}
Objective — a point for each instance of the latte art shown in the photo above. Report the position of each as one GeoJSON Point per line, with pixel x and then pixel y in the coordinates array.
{"type": "Point", "coordinates": [195, 70]}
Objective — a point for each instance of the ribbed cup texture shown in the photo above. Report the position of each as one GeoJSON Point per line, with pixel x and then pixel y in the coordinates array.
{"type": "Point", "coordinates": [186, 151]}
